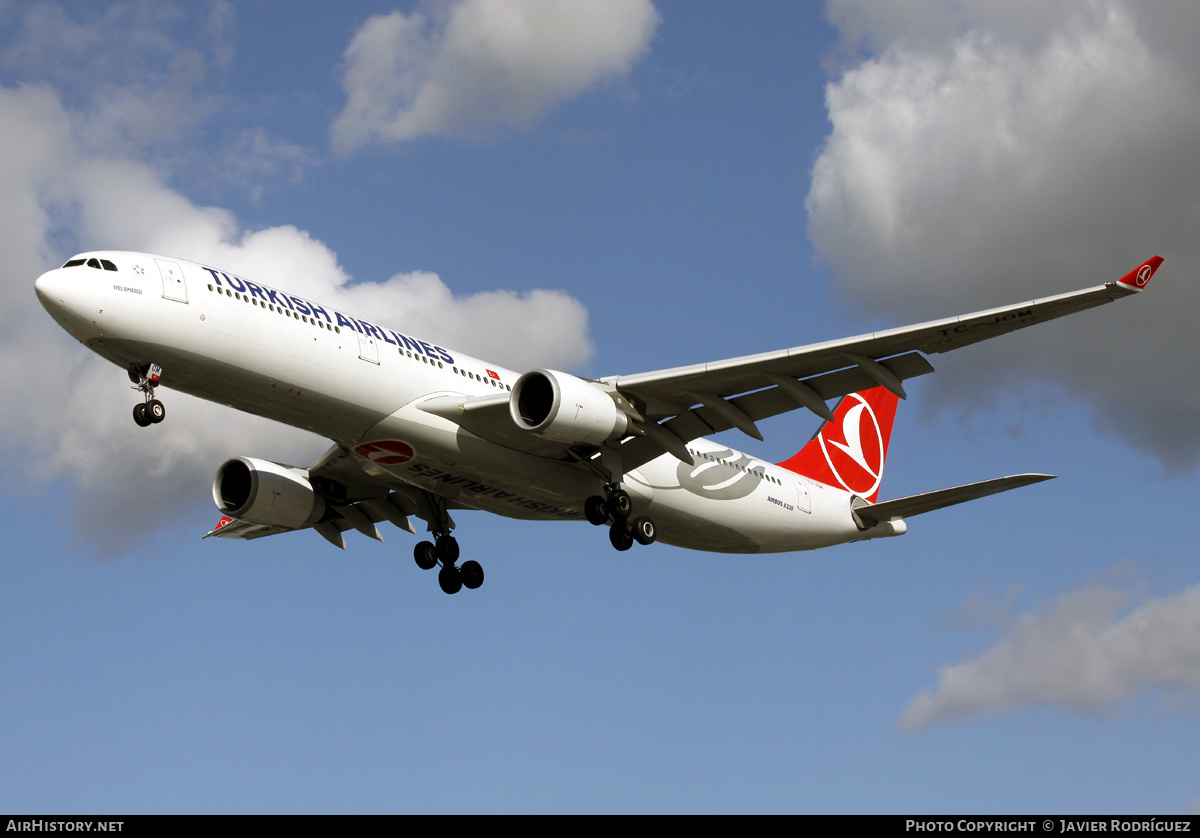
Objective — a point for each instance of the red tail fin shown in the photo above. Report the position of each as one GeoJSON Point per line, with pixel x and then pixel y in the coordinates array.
{"type": "Point", "coordinates": [850, 451]}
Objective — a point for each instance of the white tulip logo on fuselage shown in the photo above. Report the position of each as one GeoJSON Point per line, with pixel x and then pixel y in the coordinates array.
{"type": "Point", "coordinates": [853, 448]}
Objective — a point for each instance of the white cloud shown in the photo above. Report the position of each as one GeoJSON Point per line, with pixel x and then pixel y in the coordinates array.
{"type": "Point", "coordinates": [121, 70]}
{"type": "Point", "coordinates": [1081, 654]}
{"type": "Point", "coordinates": [144, 77]}
{"type": "Point", "coordinates": [519, 330]}
{"type": "Point", "coordinates": [985, 153]}
{"type": "Point", "coordinates": [479, 66]}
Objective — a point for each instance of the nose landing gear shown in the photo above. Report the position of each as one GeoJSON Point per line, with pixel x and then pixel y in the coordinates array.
{"type": "Point", "coordinates": [150, 412]}
{"type": "Point", "coordinates": [145, 379]}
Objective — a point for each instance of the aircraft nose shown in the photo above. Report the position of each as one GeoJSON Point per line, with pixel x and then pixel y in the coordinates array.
{"type": "Point", "coordinates": [51, 290]}
{"type": "Point", "coordinates": [60, 294]}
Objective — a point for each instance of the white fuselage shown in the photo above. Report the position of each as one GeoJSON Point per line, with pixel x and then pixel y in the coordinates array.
{"type": "Point", "coordinates": [260, 350]}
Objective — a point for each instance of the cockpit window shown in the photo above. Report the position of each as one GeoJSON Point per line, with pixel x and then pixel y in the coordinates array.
{"type": "Point", "coordinates": [91, 263]}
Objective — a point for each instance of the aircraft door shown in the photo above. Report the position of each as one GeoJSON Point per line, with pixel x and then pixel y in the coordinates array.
{"type": "Point", "coordinates": [174, 287]}
{"type": "Point", "coordinates": [790, 495]}
{"type": "Point", "coordinates": [368, 348]}
{"type": "Point", "coordinates": [802, 501]}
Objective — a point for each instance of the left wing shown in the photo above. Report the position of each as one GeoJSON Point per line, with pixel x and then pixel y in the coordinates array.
{"type": "Point", "coordinates": [735, 393]}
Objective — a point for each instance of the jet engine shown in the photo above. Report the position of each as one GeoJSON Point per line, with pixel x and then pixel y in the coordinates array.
{"type": "Point", "coordinates": [563, 408]}
{"type": "Point", "coordinates": [263, 492]}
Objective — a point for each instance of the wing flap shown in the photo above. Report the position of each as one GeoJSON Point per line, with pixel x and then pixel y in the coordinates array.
{"type": "Point", "coordinates": [870, 514]}
{"type": "Point", "coordinates": [763, 404]}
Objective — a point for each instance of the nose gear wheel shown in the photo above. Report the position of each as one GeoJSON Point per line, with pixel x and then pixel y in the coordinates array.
{"type": "Point", "coordinates": [145, 379]}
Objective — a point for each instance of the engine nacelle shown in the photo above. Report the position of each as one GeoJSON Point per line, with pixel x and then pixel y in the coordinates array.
{"type": "Point", "coordinates": [563, 408]}
{"type": "Point", "coordinates": [263, 492]}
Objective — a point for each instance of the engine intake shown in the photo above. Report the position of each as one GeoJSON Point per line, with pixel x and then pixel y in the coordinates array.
{"type": "Point", "coordinates": [563, 408]}
{"type": "Point", "coordinates": [263, 492]}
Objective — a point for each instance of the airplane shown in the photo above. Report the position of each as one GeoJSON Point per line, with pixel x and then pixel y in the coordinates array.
{"type": "Point", "coordinates": [420, 430]}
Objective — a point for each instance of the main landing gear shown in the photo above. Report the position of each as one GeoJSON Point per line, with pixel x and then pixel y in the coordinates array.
{"type": "Point", "coordinates": [444, 550]}
{"type": "Point", "coordinates": [615, 510]}
{"type": "Point", "coordinates": [145, 379]}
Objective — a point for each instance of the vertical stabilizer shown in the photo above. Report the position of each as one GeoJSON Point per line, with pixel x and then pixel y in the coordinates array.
{"type": "Point", "coordinates": [850, 451]}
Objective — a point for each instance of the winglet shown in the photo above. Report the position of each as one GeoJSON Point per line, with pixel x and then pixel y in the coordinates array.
{"type": "Point", "coordinates": [1139, 277]}
{"type": "Point", "coordinates": [225, 519]}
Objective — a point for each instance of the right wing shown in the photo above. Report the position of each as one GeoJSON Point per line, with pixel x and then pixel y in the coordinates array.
{"type": "Point", "coordinates": [358, 496]}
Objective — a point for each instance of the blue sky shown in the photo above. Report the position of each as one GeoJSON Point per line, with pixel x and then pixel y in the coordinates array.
{"type": "Point", "coordinates": [649, 186]}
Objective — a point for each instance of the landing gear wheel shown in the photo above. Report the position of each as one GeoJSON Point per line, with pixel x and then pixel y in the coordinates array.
{"type": "Point", "coordinates": [450, 579]}
{"type": "Point", "coordinates": [156, 411]}
{"type": "Point", "coordinates": [596, 510]}
{"type": "Point", "coordinates": [426, 555]}
{"type": "Point", "coordinates": [141, 415]}
{"type": "Point", "coordinates": [620, 536]}
{"type": "Point", "coordinates": [471, 574]}
{"type": "Point", "coordinates": [643, 530]}
{"type": "Point", "coordinates": [447, 549]}
{"type": "Point", "coordinates": [620, 504]}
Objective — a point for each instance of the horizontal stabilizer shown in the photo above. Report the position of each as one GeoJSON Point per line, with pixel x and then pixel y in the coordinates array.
{"type": "Point", "coordinates": [871, 514]}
